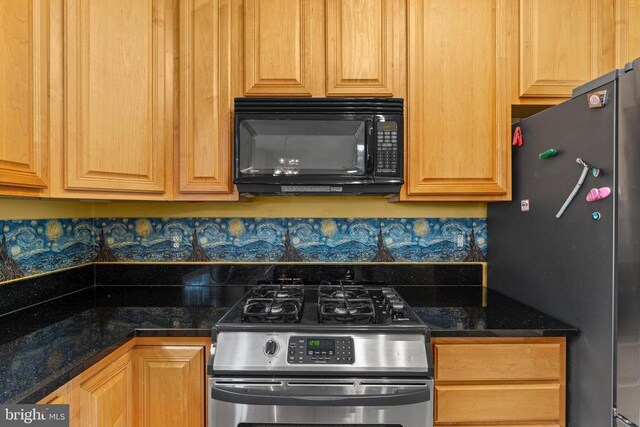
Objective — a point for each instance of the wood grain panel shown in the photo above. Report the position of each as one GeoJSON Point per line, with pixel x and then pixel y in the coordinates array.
{"type": "Point", "coordinates": [497, 403]}
{"type": "Point", "coordinates": [563, 44]}
{"type": "Point", "coordinates": [499, 425]}
{"type": "Point", "coordinates": [59, 396]}
{"type": "Point", "coordinates": [169, 386]}
{"type": "Point", "coordinates": [627, 31]}
{"type": "Point", "coordinates": [23, 92]}
{"type": "Point", "coordinates": [106, 397]}
{"type": "Point", "coordinates": [365, 44]}
{"type": "Point", "coordinates": [116, 112]}
{"type": "Point", "coordinates": [498, 362]}
{"type": "Point", "coordinates": [457, 100]}
{"type": "Point", "coordinates": [284, 47]}
{"type": "Point", "coordinates": [205, 97]}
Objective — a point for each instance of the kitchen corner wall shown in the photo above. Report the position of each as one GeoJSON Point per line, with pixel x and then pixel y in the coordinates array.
{"type": "Point", "coordinates": [44, 236]}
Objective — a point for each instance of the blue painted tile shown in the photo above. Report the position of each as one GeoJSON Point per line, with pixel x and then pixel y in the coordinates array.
{"type": "Point", "coordinates": [242, 239]}
{"type": "Point", "coordinates": [37, 246]}
{"type": "Point", "coordinates": [147, 239]}
{"type": "Point", "coordinates": [435, 239]}
{"type": "Point", "coordinates": [334, 239]}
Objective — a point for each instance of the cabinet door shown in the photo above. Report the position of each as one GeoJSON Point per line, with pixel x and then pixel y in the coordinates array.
{"type": "Point", "coordinates": [169, 388]}
{"type": "Point", "coordinates": [60, 396]}
{"type": "Point", "coordinates": [627, 31]}
{"type": "Point", "coordinates": [106, 397]}
{"type": "Point", "coordinates": [563, 44]}
{"type": "Point", "coordinates": [205, 97]}
{"type": "Point", "coordinates": [515, 403]}
{"type": "Point", "coordinates": [458, 128]}
{"type": "Point", "coordinates": [118, 125]}
{"type": "Point", "coordinates": [23, 92]}
{"type": "Point", "coordinates": [283, 47]}
{"type": "Point", "coordinates": [366, 47]}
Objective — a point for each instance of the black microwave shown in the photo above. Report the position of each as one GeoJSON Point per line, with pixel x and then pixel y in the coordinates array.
{"type": "Point", "coordinates": [318, 145]}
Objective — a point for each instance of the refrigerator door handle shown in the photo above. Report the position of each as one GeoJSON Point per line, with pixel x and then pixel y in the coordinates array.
{"type": "Point", "coordinates": [623, 419]}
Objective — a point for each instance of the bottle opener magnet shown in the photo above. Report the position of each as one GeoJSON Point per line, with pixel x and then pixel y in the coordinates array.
{"type": "Point", "coordinates": [583, 177]}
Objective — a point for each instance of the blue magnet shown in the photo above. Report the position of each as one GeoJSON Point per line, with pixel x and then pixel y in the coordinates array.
{"type": "Point", "coordinates": [596, 216]}
{"type": "Point", "coordinates": [595, 171]}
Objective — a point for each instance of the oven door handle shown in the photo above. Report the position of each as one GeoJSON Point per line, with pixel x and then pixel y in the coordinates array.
{"type": "Point", "coordinates": [244, 397]}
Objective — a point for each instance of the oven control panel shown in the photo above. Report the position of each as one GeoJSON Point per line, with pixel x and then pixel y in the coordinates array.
{"type": "Point", "coordinates": [320, 350]}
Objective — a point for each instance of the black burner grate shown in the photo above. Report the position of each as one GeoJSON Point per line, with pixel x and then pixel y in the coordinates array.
{"type": "Point", "coordinates": [271, 303]}
{"type": "Point", "coordinates": [345, 304]}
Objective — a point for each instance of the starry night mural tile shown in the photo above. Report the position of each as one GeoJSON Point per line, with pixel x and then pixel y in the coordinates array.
{"type": "Point", "coordinates": [435, 239]}
{"type": "Point", "coordinates": [334, 239]}
{"type": "Point", "coordinates": [241, 239]}
{"type": "Point", "coordinates": [144, 239]}
{"type": "Point", "coordinates": [39, 246]}
{"type": "Point", "coordinates": [31, 247]}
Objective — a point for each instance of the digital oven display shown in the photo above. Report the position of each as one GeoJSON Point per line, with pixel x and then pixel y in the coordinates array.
{"type": "Point", "coordinates": [321, 344]}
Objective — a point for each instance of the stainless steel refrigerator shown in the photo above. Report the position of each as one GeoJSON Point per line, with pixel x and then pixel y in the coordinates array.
{"type": "Point", "coordinates": [582, 267]}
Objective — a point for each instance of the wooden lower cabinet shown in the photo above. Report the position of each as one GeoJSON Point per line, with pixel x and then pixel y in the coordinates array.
{"type": "Point", "coordinates": [146, 382]}
{"type": "Point", "coordinates": [505, 382]}
{"type": "Point", "coordinates": [169, 386]}
{"type": "Point", "coordinates": [105, 398]}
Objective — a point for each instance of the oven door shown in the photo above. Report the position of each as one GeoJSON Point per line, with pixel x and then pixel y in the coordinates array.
{"type": "Point", "coordinates": [320, 402]}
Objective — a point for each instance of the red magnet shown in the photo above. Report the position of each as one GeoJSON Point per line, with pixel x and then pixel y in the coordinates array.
{"type": "Point", "coordinates": [517, 137]}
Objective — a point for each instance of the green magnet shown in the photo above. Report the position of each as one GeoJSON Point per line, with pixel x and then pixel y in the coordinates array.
{"type": "Point", "coordinates": [551, 152]}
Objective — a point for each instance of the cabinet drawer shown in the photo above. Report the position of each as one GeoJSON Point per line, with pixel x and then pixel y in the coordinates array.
{"type": "Point", "coordinates": [498, 403]}
{"type": "Point", "coordinates": [498, 362]}
{"type": "Point", "coordinates": [501, 425]}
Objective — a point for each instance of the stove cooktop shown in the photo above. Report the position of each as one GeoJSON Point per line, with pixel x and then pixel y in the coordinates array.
{"type": "Point", "coordinates": [344, 304]}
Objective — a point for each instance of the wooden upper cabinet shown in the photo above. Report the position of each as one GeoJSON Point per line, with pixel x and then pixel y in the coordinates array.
{"type": "Point", "coordinates": [204, 163]}
{"type": "Point", "coordinates": [458, 115]}
{"type": "Point", "coordinates": [169, 387]}
{"type": "Point", "coordinates": [118, 102]}
{"type": "Point", "coordinates": [627, 31]}
{"type": "Point", "coordinates": [283, 47]}
{"type": "Point", "coordinates": [23, 92]}
{"type": "Point", "coordinates": [366, 45]}
{"type": "Point", "coordinates": [563, 44]}
{"type": "Point", "coordinates": [106, 397]}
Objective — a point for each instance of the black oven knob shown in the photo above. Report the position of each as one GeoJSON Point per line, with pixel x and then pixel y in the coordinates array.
{"type": "Point", "coordinates": [271, 348]}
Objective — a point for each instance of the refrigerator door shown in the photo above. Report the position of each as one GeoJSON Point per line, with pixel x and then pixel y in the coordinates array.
{"type": "Point", "coordinates": [628, 247]}
{"type": "Point", "coordinates": [564, 267]}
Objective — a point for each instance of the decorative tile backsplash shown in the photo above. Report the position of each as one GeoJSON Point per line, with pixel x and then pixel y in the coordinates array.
{"type": "Point", "coordinates": [29, 247]}
{"type": "Point", "coordinates": [32, 247]}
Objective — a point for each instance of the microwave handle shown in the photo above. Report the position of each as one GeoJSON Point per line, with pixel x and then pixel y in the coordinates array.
{"type": "Point", "coordinates": [369, 148]}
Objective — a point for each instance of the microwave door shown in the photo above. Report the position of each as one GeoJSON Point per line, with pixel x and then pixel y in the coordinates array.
{"type": "Point", "coordinates": [303, 148]}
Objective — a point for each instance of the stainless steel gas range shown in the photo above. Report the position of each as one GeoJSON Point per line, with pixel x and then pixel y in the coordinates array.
{"type": "Point", "coordinates": [337, 354]}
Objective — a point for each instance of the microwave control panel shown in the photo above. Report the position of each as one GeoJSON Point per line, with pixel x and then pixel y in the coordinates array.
{"type": "Point", "coordinates": [325, 350]}
{"type": "Point", "coordinates": [387, 148]}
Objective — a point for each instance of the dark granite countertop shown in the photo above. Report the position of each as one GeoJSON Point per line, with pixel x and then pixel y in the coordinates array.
{"type": "Point", "coordinates": [44, 346]}
{"type": "Point", "coordinates": [474, 311]}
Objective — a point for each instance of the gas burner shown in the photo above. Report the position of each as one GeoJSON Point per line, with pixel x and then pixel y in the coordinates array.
{"type": "Point", "coordinates": [272, 310]}
{"type": "Point", "coordinates": [278, 291]}
{"type": "Point", "coordinates": [340, 310]}
{"type": "Point", "coordinates": [342, 291]}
